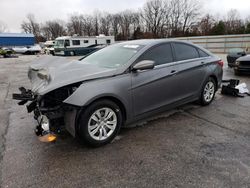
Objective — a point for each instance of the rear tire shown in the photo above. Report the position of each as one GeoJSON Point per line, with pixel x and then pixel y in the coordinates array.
{"type": "Point", "coordinates": [208, 92]}
{"type": "Point", "coordinates": [99, 123]}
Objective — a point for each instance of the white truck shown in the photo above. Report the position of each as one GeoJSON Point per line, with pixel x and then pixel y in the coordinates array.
{"type": "Point", "coordinates": [49, 47]}
{"type": "Point", "coordinates": [77, 45]}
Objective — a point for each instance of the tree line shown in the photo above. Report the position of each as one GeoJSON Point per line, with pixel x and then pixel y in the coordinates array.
{"type": "Point", "coordinates": [156, 19]}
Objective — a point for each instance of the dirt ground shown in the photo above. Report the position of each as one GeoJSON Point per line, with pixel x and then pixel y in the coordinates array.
{"type": "Point", "coordinates": [191, 146]}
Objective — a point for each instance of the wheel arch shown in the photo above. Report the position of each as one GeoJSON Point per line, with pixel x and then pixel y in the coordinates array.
{"type": "Point", "coordinates": [215, 79]}
{"type": "Point", "coordinates": [116, 101]}
{"type": "Point", "coordinates": [111, 98]}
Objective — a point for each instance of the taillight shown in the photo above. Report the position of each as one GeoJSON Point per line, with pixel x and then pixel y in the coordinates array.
{"type": "Point", "coordinates": [221, 63]}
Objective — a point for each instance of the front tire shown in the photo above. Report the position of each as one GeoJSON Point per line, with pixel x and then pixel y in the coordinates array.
{"type": "Point", "coordinates": [99, 123]}
{"type": "Point", "coordinates": [208, 92]}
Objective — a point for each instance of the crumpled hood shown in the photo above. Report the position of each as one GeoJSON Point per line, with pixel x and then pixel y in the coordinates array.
{"type": "Point", "coordinates": [63, 72]}
{"type": "Point", "coordinates": [244, 58]}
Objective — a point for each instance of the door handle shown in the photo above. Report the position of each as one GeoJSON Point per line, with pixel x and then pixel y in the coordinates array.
{"type": "Point", "coordinates": [202, 62]}
{"type": "Point", "coordinates": [173, 72]}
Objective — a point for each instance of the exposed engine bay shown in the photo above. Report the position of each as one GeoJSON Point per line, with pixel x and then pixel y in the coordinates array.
{"type": "Point", "coordinates": [49, 110]}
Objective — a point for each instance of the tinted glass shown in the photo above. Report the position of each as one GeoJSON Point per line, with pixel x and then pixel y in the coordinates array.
{"type": "Point", "coordinates": [76, 42]}
{"type": "Point", "coordinates": [67, 43]}
{"type": "Point", "coordinates": [108, 41]}
{"type": "Point", "coordinates": [86, 41]}
{"type": "Point", "coordinates": [202, 53]}
{"type": "Point", "coordinates": [185, 51]}
{"type": "Point", "coordinates": [160, 54]}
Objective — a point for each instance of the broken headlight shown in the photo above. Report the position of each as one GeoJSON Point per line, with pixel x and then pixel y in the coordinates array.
{"type": "Point", "coordinates": [43, 74]}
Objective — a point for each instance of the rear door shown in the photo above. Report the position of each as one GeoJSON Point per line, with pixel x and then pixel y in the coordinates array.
{"type": "Point", "coordinates": [192, 65]}
{"type": "Point", "coordinates": [152, 89]}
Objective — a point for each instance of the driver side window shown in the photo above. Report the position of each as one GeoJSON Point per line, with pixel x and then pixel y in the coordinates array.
{"type": "Point", "coordinates": [66, 43]}
{"type": "Point", "coordinates": [161, 54]}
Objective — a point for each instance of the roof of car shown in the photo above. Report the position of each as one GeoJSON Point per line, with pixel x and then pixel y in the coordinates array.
{"type": "Point", "coordinates": [152, 41]}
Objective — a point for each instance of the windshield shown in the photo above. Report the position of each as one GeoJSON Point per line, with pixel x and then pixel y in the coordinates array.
{"type": "Point", "coordinates": [113, 56]}
{"type": "Point", "coordinates": [59, 43]}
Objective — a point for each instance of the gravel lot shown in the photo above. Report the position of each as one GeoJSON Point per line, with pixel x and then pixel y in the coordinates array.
{"type": "Point", "coordinates": [191, 146]}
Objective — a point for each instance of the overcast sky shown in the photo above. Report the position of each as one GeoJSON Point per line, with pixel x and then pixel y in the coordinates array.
{"type": "Point", "coordinates": [13, 12]}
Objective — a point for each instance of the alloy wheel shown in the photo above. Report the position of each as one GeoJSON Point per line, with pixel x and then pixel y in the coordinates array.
{"type": "Point", "coordinates": [102, 123]}
{"type": "Point", "coordinates": [209, 91]}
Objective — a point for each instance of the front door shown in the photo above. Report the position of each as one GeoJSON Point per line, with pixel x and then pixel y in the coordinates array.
{"type": "Point", "coordinates": [152, 89]}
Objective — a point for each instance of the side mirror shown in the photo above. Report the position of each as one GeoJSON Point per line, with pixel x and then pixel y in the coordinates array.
{"type": "Point", "coordinates": [144, 65]}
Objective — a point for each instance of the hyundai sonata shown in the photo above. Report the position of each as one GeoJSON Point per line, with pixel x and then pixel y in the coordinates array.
{"type": "Point", "coordinates": [92, 98]}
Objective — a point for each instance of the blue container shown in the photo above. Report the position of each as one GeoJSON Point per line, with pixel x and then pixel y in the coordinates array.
{"type": "Point", "coordinates": [16, 39]}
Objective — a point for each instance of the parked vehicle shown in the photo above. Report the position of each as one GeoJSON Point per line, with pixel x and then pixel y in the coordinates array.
{"type": "Point", "coordinates": [29, 50]}
{"type": "Point", "coordinates": [242, 65]}
{"type": "Point", "coordinates": [234, 54]}
{"type": "Point", "coordinates": [75, 45]}
{"type": "Point", "coordinates": [118, 85]}
{"type": "Point", "coordinates": [49, 47]}
{"type": "Point", "coordinates": [6, 52]}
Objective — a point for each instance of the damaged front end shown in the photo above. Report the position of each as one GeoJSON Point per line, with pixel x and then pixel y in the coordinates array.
{"type": "Point", "coordinates": [49, 110]}
{"type": "Point", "coordinates": [53, 82]}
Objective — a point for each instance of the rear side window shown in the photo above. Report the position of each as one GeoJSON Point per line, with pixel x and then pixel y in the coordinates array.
{"type": "Point", "coordinates": [108, 41]}
{"type": "Point", "coordinates": [160, 54]}
{"type": "Point", "coordinates": [185, 51]}
{"type": "Point", "coordinates": [86, 41]}
{"type": "Point", "coordinates": [202, 53]}
{"type": "Point", "coordinates": [76, 42]}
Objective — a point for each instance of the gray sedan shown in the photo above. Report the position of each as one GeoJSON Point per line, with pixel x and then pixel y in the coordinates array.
{"type": "Point", "coordinates": [116, 86]}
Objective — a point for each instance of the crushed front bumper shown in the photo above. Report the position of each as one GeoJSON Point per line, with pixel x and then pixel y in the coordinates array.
{"type": "Point", "coordinates": [51, 119]}
{"type": "Point", "coordinates": [43, 129]}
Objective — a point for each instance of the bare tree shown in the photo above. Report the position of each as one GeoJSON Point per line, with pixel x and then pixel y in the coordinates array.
{"type": "Point", "coordinates": [88, 28]}
{"type": "Point", "coordinates": [31, 26]}
{"type": "Point", "coordinates": [156, 19]}
{"type": "Point", "coordinates": [206, 24]}
{"type": "Point", "coordinates": [105, 24]}
{"type": "Point", "coordinates": [190, 12]}
{"type": "Point", "coordinates": [115, 26]}
{"type": "Point", "coordinates": [175, 16]}
{"type": "Point", "coordinates": [96, 22]}
{"type": "Point", "coordinates": [53, 29]}
{"type": "Point", "coordinates": [136, 21]}
{"type": "Point", "coordinates": [126, 21]}
{"type": "Point", "coordinates": [233, 22]}
{"type": "Point", "coordinates": [75, 25]}
{"type": "Point", "coordinates": [154, 16]}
